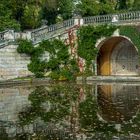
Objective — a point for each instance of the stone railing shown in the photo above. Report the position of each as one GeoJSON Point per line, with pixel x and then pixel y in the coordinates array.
{"type": "Point", "coordinates": [119, 18]}
{"type": "Point", "coordinates": [46, 31]}
{"type": "Point", "coordinates": [55, 30]}
{"type": "Point", "coordinates": [6, 37]}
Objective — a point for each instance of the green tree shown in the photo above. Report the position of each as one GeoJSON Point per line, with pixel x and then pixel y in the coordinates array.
{"type": "Point", "coordinates": [6, 19]}
{"type": "Point", "coordinates": [136, 5]}
{"type": "Point", "coordinates": [31, 17]}
{"type": "Point", "coordinates": [54, 8]}
{"type": "Point", "coordinates": [88, 8]}
{"type": "Point", "coordinates": [95, 7]}
{"type": "Point", "coordinates": [66, 8]}
{"type": "Point", "coordinates": [121, 4]}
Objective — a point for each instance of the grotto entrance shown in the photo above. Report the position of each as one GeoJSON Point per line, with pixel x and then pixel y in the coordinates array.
{"type": "Point", "coordinates": [117, 56]}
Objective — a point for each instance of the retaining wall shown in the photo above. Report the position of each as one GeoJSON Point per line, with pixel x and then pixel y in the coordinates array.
{"type": "Point", "coordinates": [13, 64]}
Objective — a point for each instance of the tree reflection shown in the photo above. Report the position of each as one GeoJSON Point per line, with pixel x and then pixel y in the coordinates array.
{"type": "Point", "coordinates": [53, 105]}
{"type": "Point", "coordinates": [90, 122]}
{"type": "Point", "coordinates": [68, 111]}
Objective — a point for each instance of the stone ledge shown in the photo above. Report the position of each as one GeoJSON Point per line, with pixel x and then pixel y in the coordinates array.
{"type": "Point", "coordinates": [25, 82]}
{"type": "Point", "coordinates": [114, 78]}
{"type": "Point", "coordinates": [110, 79]}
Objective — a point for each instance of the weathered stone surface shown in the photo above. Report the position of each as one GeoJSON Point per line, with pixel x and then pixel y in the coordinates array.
{"type": "Point", "coordinates": [13, 64]}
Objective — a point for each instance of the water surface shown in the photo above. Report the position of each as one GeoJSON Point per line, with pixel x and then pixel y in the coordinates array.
{"type": "Point", "coordinates": [68, 111]}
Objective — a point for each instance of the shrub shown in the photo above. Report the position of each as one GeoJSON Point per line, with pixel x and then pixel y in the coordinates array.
{"type": "Point", "coordinates": [25, 46]}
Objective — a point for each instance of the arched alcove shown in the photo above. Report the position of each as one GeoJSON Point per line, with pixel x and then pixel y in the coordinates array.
{"type": "Point", "coordinates": [117, 56]}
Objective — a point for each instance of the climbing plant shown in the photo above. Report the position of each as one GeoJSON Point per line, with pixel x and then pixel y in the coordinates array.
{"type": "Point", "coordinates": [132, 33]}
{"type": "Point", "coordinates": [60, 65]}
{"type": "Point", "coordinates": [87, 37]}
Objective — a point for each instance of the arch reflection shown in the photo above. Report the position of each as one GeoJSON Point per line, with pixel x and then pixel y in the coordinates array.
{"type": "Point", "coordinates": [118, 102]}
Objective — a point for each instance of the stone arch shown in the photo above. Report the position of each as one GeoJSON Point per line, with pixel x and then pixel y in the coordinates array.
{"type": "Point", "coordinates": [117, 56]}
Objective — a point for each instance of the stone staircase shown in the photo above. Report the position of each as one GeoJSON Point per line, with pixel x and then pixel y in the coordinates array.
{"type": "Point", "coordinates": [56, 30]}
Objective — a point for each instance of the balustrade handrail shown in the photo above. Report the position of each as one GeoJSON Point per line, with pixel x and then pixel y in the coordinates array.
{"type": "Point", "coordinates": [117, 17]}
{"type": "Point", "coordinates": [39, 34]}
{"type": "Point", "coordinates": [54, 25]}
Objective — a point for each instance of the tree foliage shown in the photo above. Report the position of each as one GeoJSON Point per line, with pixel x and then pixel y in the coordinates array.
{"type": "Point", "coordinates": [136, 5]}
{"type": "Point", "coordinates": [6, 19]}
{"type": "Point", "coordinates": [30, 14]}
{"type": "Point", "coordinates": [87, 39]}
{"type": "Point", "coordinates": [60, 64]}
{"type": "Point", "coordinates": [95, 7]}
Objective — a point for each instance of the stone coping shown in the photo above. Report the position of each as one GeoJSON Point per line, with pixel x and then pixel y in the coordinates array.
{"type": "Point", "coordinates": [90, 79]}
{"type": "Point", "coordinates": [25, 82]}
{"type": "Point", "coordinates": [120, 78]}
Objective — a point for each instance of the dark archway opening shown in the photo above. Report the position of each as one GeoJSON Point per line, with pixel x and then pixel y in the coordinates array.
{"type": "Point", "coordinates": [117, 56]}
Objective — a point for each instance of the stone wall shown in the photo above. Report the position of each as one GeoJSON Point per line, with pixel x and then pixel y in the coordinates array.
{"type": "Point", "coordinates": [13, 64]}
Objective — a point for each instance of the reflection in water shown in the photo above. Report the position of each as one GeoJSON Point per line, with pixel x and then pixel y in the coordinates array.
{"type": "Point", "coordinates": [118, 102]}
{"type": "Point", "coordinates": [70, 112]}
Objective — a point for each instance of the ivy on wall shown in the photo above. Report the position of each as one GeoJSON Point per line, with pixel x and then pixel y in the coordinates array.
{"type": "Point", "coordinates": [60, 65]}
{"type": "Point", "coordinates": [87, 38]}
{"type": "Point", "coordinates": [133, 33]}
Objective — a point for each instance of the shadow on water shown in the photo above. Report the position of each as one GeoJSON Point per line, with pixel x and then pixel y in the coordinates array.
{"type": "Point", "coordinates": [74, 112]}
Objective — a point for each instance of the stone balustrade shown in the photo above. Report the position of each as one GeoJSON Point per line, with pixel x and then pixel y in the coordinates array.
{"type": "Point", "coordinates": [46, 31]}
{"type": "Point", "coordinates": [113, 18]}
{"type": "Point", "coordinates": [6, 37]}
{"type": "Point", "coordinates": [52, 31]}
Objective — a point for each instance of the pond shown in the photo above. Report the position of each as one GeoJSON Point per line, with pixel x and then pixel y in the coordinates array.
{"type": "Point", "coordinates": [69, 111]}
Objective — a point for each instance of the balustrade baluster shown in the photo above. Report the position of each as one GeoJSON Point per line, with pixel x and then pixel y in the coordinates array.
{"type": "Point", "coordinates": [1, 36]}
{"type": "Point", "coordinates": [103, 18]}
{"type": "Point", "coordinates": [89, 20]}
{"type": "Point", "coordinates": [134, 15]}
{"type": "Point", "coordinates": [127, 16]}
{"type": "Point", "coordinates": [68, 24]}
{"type": "Point", "coordinates": [96, 19]}
{"type": "Point", "coordinates": [138, 15]}
{"type": "Point", "coordinates": [107, 19]}
{"type": "Point", "coordinates": [99, 19]}
{"type": "Point", "coordinates": [130, 16]}
{"type": "Point", "coordinates": [110, 18]}
{"type": "Point", "coordinates": [123, 17]}
{"type": "Point", "coordinates": [71, 23]}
